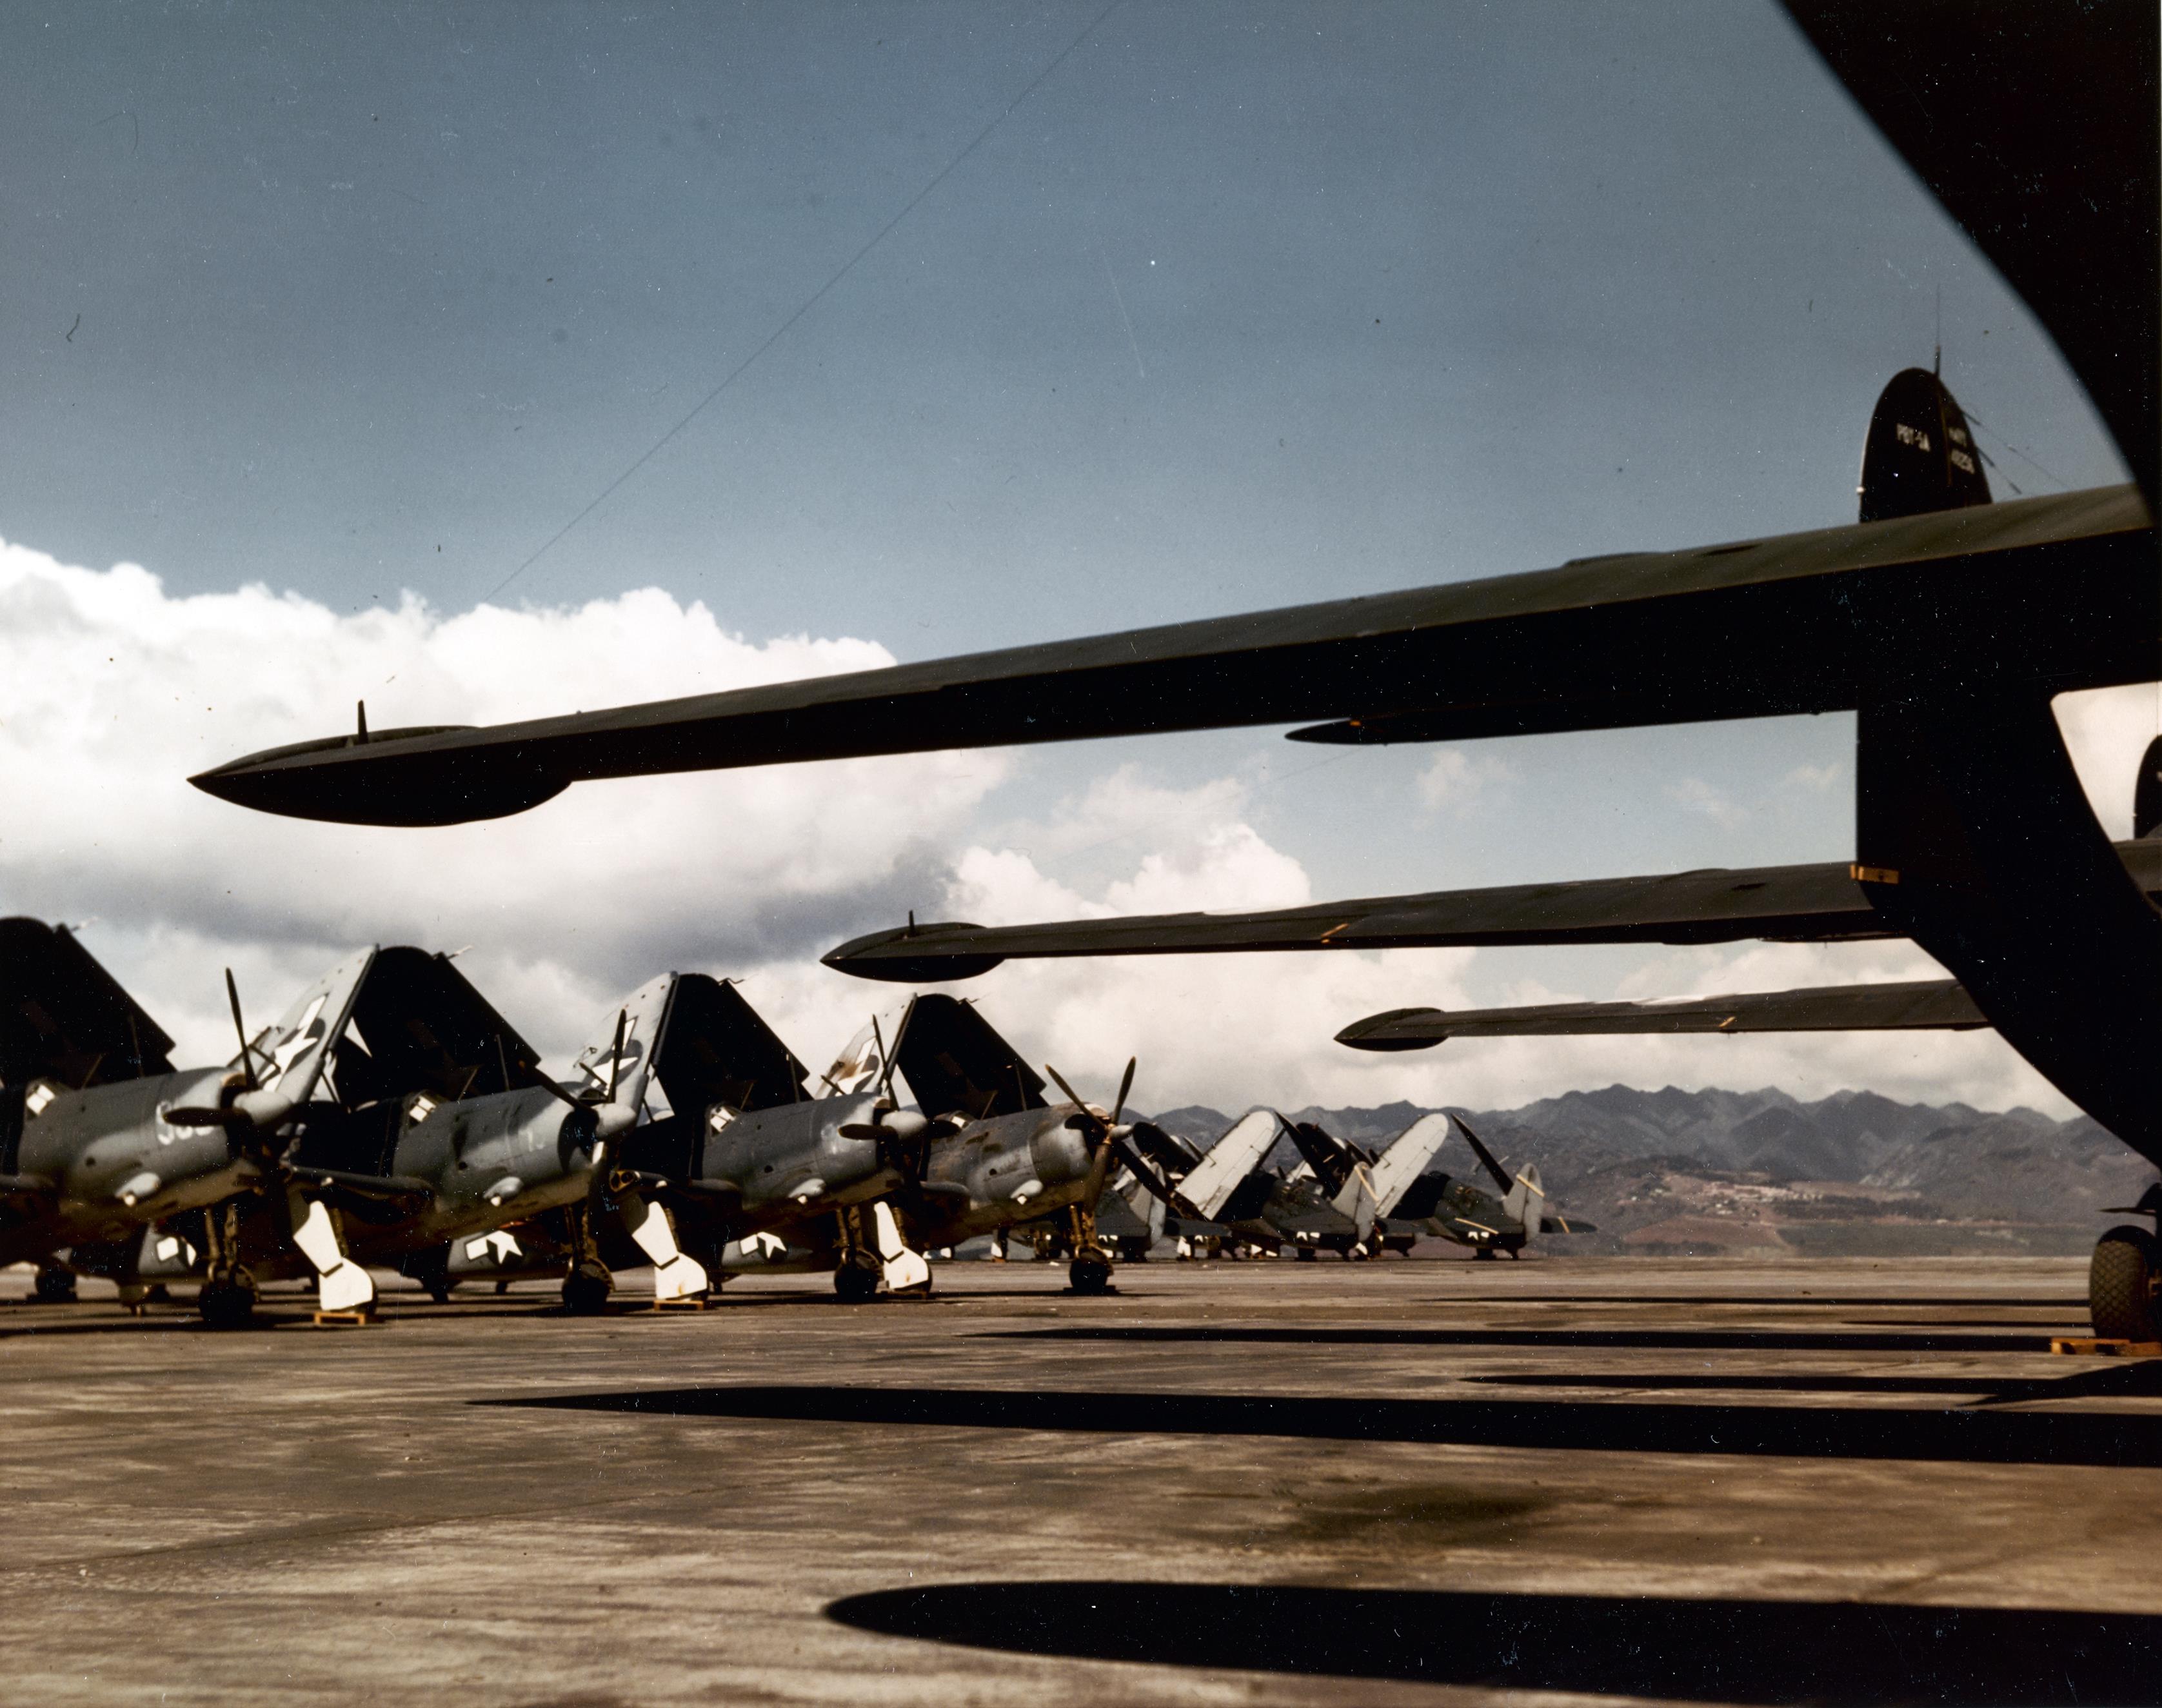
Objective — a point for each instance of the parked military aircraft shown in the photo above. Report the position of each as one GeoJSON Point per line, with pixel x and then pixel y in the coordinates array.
{"type": "Point", "coordinates": [1336, 1198]}
{"type": "Point", "coordinates": [999, 1155]}
{"type": "Point", "coordinates": [439, 1127]}
{"type": "Point", "coordinates": [100, 1136]}
{"type": "Point", "coordinates": [1438, 1205]}
{"type": "Point", "coordinates": [761, 1175]}
{"type": "Point", "coordinates": [1948, 630]}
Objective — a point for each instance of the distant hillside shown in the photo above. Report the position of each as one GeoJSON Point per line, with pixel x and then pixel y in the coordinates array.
{"type": "Point", "coordinates": [1853, 1174]}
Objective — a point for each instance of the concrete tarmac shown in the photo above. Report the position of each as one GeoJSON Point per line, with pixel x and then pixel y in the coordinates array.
{"type": "Point", "coordinates": [1232, 1483]}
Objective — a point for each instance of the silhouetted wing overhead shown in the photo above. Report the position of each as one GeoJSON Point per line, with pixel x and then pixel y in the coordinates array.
{"type": "Point", "coordinates": [1785, 903]}
{"type": "Point", "coordinates": [2059, 591]}
{"type": "Point", "coordinates": [1812, 903]}
{"type": "Point", "coordinates": [1938, 1005]}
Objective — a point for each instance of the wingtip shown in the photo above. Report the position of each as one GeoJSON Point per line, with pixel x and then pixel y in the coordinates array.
{"type": "Point", "coordinates": [867, 957]}
{"type": "Point", "coordinates": [1390, 1031]}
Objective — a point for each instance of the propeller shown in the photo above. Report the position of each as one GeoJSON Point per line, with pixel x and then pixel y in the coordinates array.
{"type": "Point", "coordinates": [1502, 1177]}
{"type": "Point", "coordinates": [1109, 1139]}
{"type": "Point", "coordinates": [250, 1082]}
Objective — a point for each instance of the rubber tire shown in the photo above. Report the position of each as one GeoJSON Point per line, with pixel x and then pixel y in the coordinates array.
{"type": "Point", "coordinates": [2121, 1281]}
{"type": "Point", "coordinates": [439, 1291]}
{"type": "Point", "coordinates": [1089, 1275]}
{"type": "Point", "coordinates": [1307, 1254]}
{"type": "Point", "coordinates": [226, 1304]}
{"type": "Point", "coordinates": [855, 1284]}
{"type": "Point", "coordinates": [54, 1286]}
{"type": "Point", "coordinates": [585, 1292]}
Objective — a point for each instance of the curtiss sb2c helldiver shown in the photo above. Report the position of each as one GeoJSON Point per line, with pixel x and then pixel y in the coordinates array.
{"type": "Point", "coordinates": [431, 1123]}
{"type": "Point", "coordinates": [999, 1155]}
{"type": "Point", "coordinates": [101, 1138]}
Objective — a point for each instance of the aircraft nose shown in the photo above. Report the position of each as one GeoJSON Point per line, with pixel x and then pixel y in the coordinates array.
{"type": "Point", "coordinates": [1061, 1155]}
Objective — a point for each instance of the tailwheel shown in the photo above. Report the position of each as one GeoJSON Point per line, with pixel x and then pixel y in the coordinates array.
{"type": "Point", "coordinates": [54, 1286]}
{"type": "Point", "coordinates": [227, 1301]}
{"type": "Point", "coordinates": [585, 1289]}
{"type": "Point", "coordinates": [2120, 1283]}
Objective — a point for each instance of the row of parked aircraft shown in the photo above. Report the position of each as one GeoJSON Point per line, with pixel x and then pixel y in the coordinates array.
{"type": "Point", "coordinates": [392, 1120]}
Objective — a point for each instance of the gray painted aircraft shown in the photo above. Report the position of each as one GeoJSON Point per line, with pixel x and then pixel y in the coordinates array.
{"type": "Point", "coordinates": [1336, 1198]}
{"type": "Point", "coordinates": [100, 1137]}
{"type": "Point", "coordinates": [438, 1126]}
{"type": "Point", "coordinates": [1439, 1205]}
{"type": "Point", "coordinates": [999, 1155]}
{"type": "Point", "coordinates": [761, 1176]}
{"type": "Point", "coordinates": [1949, 626]}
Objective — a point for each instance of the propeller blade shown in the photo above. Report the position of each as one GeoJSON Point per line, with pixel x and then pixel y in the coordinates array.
{"type": "Point", "coordinates": [1501, 1176]}
{"type": "Point", "coordinates": [1152, 1181]}
{"type": "Point", "coordinates": [615, 1053]}
{"type": "Point", "coordinates": [537, 1078]}
{"type": "Point", "coordinates": [1125, 1085]}
{"type": "Point", "coordinates": [1059, 1080]}
{"type": "Point", "coordinates": [893, 1055]}
{"type": "Point", "coordinates": [1100, 1170]}
{"type": "Point", "coordinates": [247, 1055]}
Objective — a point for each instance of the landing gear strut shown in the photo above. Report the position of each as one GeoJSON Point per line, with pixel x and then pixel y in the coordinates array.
{"type": "Point", "coordinates": [587, 1288]}
{"type": "Point", "coordinates": [1090, 1271]}
{"type": "Point", "coordinates": [227, 1300]}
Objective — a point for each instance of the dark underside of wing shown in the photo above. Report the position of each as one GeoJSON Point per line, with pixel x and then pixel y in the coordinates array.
{"type": "Point", "coordinates": [1788, 904]}
{"type": "Point", "coordinates": [2056, 592]}
{"type": "Point", "coordinates": [1938, 1004]}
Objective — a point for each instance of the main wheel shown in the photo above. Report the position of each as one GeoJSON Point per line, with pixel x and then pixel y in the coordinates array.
{"type": "Point", "coordinates": [439, 1291]}
{"type": "Point", "coordinates": [54, 1286]}
{"type": "Point", "coordinates": [227, 1303]}
{"type": "Point", "coordinates": [1089, 1275]}
{"type": "Point", "coordinates": [585, 1290]}
{"type": "Point", "coordinates": [2121, 1282]}
{"type": "Point", "coordinates": [855, 1283]}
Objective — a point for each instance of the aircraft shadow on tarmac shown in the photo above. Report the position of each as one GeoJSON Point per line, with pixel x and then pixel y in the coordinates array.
{"type": "Point", "coordinates": [1888, 1339]}
{"type": "Point", "coordinates": [1678, 1648]}
{"type": "Point", "coordinates": [1976, 1436]}
{"type": "Point", "coordinates": [2137, 1379]}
